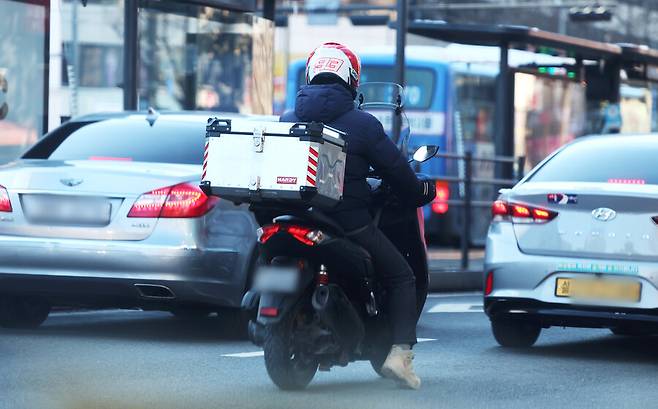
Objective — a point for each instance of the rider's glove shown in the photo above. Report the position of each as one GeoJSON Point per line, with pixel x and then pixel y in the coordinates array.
{"type": "Point", "coordinates": [427, 193]}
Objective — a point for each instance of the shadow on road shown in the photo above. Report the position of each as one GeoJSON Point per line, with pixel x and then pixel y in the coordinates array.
{"type": "Point", "coordinates": [134, 326]}
{"type": "Point", "coordinates": [641, 350]}
{"type": "Point", "coordinates": [375, 383]}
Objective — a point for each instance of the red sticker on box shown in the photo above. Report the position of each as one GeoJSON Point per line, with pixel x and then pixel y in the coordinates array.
{"type": "Point", "coordinates": [286, 180]}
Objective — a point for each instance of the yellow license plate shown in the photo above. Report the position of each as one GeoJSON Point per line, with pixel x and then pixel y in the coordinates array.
{"type": "Point", "coordinates": [598, 289]}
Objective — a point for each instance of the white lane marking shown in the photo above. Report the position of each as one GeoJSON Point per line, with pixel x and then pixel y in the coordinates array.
{"type": "Point", "coordinates": [246, 354]}
{"type": "Point", "coordinates": [73, 313]}
{"type": "Point", "coordinates": [425, 339]}
{"type": "Point", "coordinates": [456, 307]}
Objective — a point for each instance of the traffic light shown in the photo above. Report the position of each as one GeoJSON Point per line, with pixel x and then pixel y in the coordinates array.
{"type": "Point", "coordinates": [596, 13]}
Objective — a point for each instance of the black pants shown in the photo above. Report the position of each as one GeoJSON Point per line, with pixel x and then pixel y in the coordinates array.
{"type": "Point", "coordinates": [398, 279]}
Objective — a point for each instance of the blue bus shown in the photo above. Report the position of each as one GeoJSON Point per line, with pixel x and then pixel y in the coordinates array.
{"type": "Point", "coordinates": [448, 103]}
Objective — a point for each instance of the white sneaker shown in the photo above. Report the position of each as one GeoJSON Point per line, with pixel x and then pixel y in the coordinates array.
{"type": "Point", "coordinates": [398, 366]}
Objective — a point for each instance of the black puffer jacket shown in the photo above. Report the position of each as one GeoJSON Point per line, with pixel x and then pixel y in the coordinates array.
{"type": "Point", "coordinates": [367, 145]}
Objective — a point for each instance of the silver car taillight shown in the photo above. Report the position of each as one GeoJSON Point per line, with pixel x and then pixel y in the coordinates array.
{"type": "Point", "coordinates": [5, 204]}
{"type": "Point", "coordinates": [180, 201]}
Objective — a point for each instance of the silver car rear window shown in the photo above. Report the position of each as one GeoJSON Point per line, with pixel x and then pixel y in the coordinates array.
{"type": "Point", "coordinates": [134, 140]}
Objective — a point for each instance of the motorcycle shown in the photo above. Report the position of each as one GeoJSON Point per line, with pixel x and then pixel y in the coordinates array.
{"type": "Point", "coordinates": [318, 302]}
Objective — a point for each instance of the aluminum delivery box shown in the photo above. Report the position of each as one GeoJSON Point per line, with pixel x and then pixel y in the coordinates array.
{"type": "Point", "coordinates": [296, 163]}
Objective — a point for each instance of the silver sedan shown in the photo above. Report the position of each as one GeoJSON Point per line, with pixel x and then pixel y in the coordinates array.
{"type": "Point", "coordinates": [106, 211]}
{"type": "Point", "coordinates": [575, 243]}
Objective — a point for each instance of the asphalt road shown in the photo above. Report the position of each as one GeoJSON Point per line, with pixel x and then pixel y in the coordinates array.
{"type": "Point", "coordinates": [135, 360]}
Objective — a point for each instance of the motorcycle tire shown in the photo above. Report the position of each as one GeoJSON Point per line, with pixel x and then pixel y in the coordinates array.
{"type": "Point", "coordinates": [287, 370]}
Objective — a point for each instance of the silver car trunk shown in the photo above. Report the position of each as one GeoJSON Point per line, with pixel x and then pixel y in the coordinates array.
{"type": "Point", "coordinates": [83, 199]}
{"type": "Point", "coordinates": [602, 220]}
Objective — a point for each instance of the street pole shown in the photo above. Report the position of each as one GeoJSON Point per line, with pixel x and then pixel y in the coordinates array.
{"type": "Point", "coordinates": [503, 133]}
{"type": "Point", "coordinates": [130, 55]}
{"type": "Point", "coordinates": [269, 9]}
{"type": "Point", "coordinates": [400, 43]}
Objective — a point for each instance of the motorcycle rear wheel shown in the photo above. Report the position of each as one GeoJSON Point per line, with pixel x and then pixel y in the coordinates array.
{"type": "Point", "coordinates": [285, 367]}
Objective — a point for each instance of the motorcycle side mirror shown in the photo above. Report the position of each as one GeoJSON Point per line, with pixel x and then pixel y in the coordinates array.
{"type": "Point", "coordinates": [424, 153]}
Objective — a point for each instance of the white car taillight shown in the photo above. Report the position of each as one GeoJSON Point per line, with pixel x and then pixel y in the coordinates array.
{"type": "Point", "coordinates": [517, 213]}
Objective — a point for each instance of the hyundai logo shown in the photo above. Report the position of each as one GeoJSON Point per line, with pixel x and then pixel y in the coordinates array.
{"type": "Point", "coordinates": [71, 182]}
{"type": "Point", "coordinates": [604, 214]}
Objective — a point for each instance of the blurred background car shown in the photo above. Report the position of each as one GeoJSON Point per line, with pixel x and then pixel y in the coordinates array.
{"type": "Point", "coordinates": [105, 211]}
{"type": "Point", "coordinates": [575, 244]}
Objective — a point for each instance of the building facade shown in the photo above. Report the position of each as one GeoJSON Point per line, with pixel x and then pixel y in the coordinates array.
{"type": "Point", "coordinates": [63, 58]}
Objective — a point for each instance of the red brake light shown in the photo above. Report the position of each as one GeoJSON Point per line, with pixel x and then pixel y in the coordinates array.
{"type": "Point", "coordinates": [499, 208]}
{"type": "Point", "coordinates": [269, 311]}
{"type": "Point", "coordinates": [488, 283]}
{"type": "Point", "coordinates": [265, 232]}
{"type": "Point", "coordinates": [179, 201]}
{"type": "Point", "coordinates": [187, 200]}
{"type": "Point", "coordinates": [300, 233]}
{"type": "Point", "coordinates": [628, 181]}
{"type": "Point", "coordinates": [440, 202]}
{"type": "Point", "coordinates": [503, 211]}
{"type": "Point", "coordinates": [520, 211]}
{"type": "Point", "coordinates": [150, 203]}
{"type": "Point", "coordinates": [5, 204]}
{"type": "Point", "coordinates": [541, 214]}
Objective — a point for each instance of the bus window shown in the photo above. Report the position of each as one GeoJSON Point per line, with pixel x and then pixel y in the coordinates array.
{"type": "Point", "coordinates": [421, 83]}
{"type": "Point", "coordinates": [475, 101]}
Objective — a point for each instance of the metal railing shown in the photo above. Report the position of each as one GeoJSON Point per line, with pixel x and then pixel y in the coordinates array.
{"type": "Point", "coordinates": [466, 202]}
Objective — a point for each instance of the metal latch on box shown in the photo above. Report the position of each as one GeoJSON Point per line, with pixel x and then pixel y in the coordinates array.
{"type": "Point", "coordinates": [259, 139]}
{"type": "Point", "coordinates": [254, 183]}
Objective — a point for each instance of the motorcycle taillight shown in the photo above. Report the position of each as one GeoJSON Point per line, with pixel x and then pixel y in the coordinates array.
{"type": "Point", "coordinates": [304, 235]}
{"type": "Point", "coordinates": [266, 232]}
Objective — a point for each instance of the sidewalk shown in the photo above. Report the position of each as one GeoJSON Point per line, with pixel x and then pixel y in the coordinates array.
{"type": "Point", "coordinates": [446, 273]}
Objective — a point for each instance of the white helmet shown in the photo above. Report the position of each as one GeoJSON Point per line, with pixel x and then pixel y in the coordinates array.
{"type": "Point", "coordinates": [334, 59]}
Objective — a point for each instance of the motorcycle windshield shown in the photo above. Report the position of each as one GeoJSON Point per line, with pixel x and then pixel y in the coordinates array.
{"type": "Point", "coordinates": [385, 100]}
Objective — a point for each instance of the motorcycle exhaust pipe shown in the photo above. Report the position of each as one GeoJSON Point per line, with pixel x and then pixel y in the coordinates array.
{"type": "Point", "coordinates": [337, 312]}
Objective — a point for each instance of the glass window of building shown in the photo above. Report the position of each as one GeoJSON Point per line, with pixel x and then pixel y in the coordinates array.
{"type": "Point", "coordinates": [87, 58]}
{"type": "Point", "coordinates": [196, 57]}
{"type": "Point", "coordinates": [549, 112]}
{"type": "Point", "coordinates": [23, 106]}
